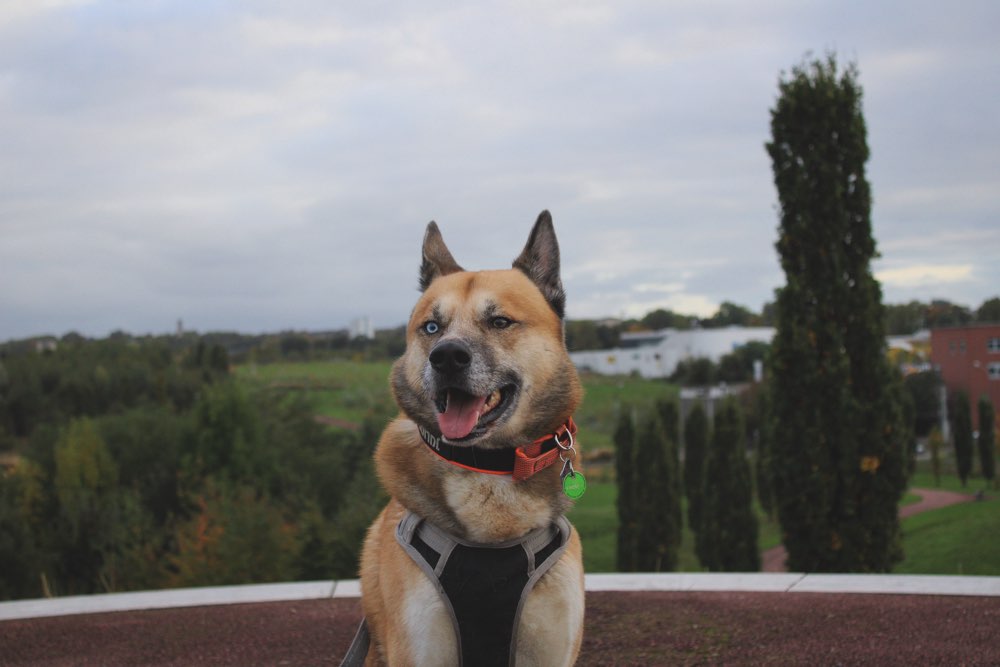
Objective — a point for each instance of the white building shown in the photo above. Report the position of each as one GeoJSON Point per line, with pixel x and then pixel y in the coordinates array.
{"type": "Point", "coordinates": [362, 328]}
{"type": "Point", "coordinates": [655, 354]}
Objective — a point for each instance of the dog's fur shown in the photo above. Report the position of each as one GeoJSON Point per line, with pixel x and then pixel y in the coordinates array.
{"type": "Point", "coordinates": [524, 352]}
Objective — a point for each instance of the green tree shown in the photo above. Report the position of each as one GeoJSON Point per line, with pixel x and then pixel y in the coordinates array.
{"type": "Point", "coordinates": [670, 499]}
{"type": "Point", "coordinates": [962, 435]}
{"type": "Point", "coordinates": [837, 451]}
{"type": "Point", "coordinates": [659, 510]}
{"type": "Point", "coordinates": [989, 311]}
{"type": "Point", "coordinates": [731, 314]}
{"type": "Point", "coordinates": [907, 318]}
{"type": "Point", "coordinates": [237, 536]}
{"type": "Point", "coordinates": [18, 554]}
{"type": "Point", "coordinates": [665, 319]}
{"type": "Point", "coordinates": [727, 539]}
{"type": "Point", "coordinates": [987, 433]}
{"type": "Point", "coordinates": [695, 446]}
{"type": "Point", "coordinates": [626, 502]}
{"type": "Point", "coordinates": [935, 443]}
{"type": "Point", "coordinates": [925, 391]}
{"type": "Point", "coordinates": [762, 457]}
{"type": "Point", "coordinates": [86, 486]}
{"type": "Point", "coordinates": [943, 313]}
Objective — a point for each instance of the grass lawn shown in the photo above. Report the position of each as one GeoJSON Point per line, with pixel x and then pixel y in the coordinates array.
{"type": "Point", "coordinates": [960, 539]}
{"type": "Point", "coordinates": [346, 390]}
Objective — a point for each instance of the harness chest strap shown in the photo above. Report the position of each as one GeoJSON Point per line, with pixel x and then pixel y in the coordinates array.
{"type": "Point", "coordinates": [483, 586]}
{"type": "Point", "coordinates": [521, 463]}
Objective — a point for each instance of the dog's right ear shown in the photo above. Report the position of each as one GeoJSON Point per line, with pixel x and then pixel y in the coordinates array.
{"type": "Point", "coordinates": [437, 259]}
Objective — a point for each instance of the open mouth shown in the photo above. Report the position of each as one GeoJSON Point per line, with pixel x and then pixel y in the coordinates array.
{"type": "Point", "coordinates": [462, 416]}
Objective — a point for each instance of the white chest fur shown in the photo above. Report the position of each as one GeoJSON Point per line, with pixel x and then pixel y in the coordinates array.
{"type": "Point", "coordinates": [492, 509]}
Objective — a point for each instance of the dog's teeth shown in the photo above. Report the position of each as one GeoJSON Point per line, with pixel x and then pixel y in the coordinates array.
{"type": "Point", "coordinates": [492, 400]}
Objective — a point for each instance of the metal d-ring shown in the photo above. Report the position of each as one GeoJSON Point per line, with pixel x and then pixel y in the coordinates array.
{"type": "Point", "coordinates": [563, 449]}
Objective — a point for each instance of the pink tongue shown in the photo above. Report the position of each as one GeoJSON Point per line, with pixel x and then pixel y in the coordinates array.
{"type": "Point", "coordinates": [462, 414]}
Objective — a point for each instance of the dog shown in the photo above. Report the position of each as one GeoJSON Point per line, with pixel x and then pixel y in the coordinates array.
{"type": "Point", "coordinates": [474, 466]}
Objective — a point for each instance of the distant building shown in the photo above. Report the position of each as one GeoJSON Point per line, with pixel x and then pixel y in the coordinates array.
{"type": "Point", "coordinates": [362, 328]}
{"type": "Point", "coordinates": [968, 359]}
{"type": "Point", "coordinates": [656, 354]}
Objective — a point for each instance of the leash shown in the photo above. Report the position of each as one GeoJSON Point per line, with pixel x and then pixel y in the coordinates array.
{"type": "Point", "coordinates": [358, 650]}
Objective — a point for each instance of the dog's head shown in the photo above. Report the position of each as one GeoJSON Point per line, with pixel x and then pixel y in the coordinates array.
{"type": "Point", "coordinates": [485, 359]}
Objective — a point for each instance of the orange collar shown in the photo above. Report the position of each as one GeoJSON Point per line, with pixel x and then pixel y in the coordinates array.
{"type": "Point", "coordinates": [521, 463]}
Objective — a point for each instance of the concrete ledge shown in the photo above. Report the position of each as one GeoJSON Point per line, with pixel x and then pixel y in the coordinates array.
{"type": "Point", "coordinates": [178, 597]}
{"type": "Point", "coordinates": [751, 582]}
{"type": "Point", "coordinates": [694, 581]}
{"type": "Point", "coordinates": [914, 584]}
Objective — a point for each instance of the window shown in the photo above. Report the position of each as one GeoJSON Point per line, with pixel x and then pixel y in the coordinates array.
{"type": "Point", "coordinates": [993, 370]}
{"type": "Point", "coordinates": [993, 345]}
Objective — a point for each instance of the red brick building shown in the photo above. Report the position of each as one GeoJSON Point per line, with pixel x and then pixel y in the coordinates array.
{"type": "Point", "coordinates": [968, 359]}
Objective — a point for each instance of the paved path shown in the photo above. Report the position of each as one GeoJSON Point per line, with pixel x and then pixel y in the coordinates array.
{"type": "Point", "coordinates": [773, 560]}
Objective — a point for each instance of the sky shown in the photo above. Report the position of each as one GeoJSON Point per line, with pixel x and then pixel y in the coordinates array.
{"type": "Point", "coordinates": [264, 166]}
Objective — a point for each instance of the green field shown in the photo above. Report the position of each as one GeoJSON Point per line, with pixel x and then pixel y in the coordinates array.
{"type": "Point", "coordinates": [952, 540]}
{"type": "Point", "coordinates": [351, 390]}
{"type": "Point", "coordinates": [961, 539]}
{"type": "Point", "coordinates": [345, 390]}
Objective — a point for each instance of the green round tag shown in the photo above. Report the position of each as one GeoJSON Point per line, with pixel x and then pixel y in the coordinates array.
{"type": "Point", "coordinates": [574, 485]}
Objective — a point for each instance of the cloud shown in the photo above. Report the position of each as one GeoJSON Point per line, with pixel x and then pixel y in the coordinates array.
{"type": "Point", "coordinates": [927, 275]}
{"type": "Point", "coordinates": [263, 166]}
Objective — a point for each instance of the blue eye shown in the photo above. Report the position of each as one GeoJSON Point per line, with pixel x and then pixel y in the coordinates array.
{"type": "Point", "coordinates": [431, 327]}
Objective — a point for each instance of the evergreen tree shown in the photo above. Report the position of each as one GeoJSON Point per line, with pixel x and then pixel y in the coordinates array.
{"type": "Point", "coordinates": [727, 540]}
{"type": "Point", "coordinates": [695, 444]}
{"type": "Point", "coordinates": [670, 417]}
{"type": "Point", "coordinates": [987, 451]}
{"type": "Point", "coordinates": [762, 457]}
{"type": "Point", "coordinates": [935, 441]}
{"type": "Point", "coordinates": [837, 452]}
{"type": "Point", "coordinates": [624, 438]}
{"type": "Point", "coordinates": [962, 434]}
{"type": "Point", "coordinates": [658, 511]}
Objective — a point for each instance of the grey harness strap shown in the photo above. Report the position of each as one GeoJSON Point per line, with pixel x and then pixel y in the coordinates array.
{"type": "Point", "coordinates": [496, 578]}
{"type": "Point", "coordinates": [483, 586]}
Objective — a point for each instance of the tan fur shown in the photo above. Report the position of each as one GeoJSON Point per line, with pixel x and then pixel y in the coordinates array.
{"type": "Point", "coordinates": [408, 624]}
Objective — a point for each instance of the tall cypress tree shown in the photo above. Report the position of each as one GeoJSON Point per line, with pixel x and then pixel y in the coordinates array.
{"type": "Point", "coordinates": [626, 502]}
{"type": "Point", "coordinates": [837, 459]}
{"type": "Point", "coordinates": [727, 540]}
{"type": "Point", "coordinates": [987, 451]}
{"type": "Point", "coordinates": [962, 433]}
{"type": "Point", "coordinates": [670, 417]}
{"type": "Point", "coordinates": [658, 530]}
{"type": "Point", "coordinates": [695, 444]}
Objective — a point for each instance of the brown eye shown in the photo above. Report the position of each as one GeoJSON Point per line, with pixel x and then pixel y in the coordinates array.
{"type": "Point", "coordinates": [500, 322]}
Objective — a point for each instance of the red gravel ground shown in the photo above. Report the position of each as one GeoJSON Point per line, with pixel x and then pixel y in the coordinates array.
{"type": "Point", "coordinates": [622, 629]}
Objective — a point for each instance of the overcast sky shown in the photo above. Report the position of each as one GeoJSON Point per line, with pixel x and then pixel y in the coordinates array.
{"type": "Point", "coordinates": [260, 166]}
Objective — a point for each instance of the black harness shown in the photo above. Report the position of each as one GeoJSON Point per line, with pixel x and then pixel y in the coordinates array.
{"type": "Point", "coordinates": [483, 586]}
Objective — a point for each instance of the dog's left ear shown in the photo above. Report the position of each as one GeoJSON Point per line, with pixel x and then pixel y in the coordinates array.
{"type": "Point", "coordinates": [540, 261]}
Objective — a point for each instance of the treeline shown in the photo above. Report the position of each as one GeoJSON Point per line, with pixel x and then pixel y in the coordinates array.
{"type": "Point", "coordinates": [129, 466]}
{"type": "Point", "coordinates": [900, 319]}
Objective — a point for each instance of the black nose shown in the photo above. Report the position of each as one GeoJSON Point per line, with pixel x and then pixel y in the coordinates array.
{"type": "Point", "coordinates": [450, 357]}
